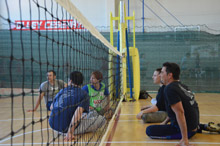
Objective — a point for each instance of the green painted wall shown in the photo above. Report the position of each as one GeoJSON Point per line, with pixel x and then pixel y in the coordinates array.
{"type": "Point", "coordinates": [201, 70]}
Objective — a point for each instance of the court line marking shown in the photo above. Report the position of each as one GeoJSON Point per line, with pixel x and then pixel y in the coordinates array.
{"type": "Point", "coordinates": [204, 115]}
{"type": "Point", "coordinates": [209, 115]}
{"type": "Point", "coordinates": [114, 128]}
{"type": "Point", "coordinates": [122, 142]}
{"type": "Point", "coordinates": [24, 134]}
{"type": "Point", "coordinates": [108, 142]}
{"type": "Point", "coordinates": [94, 142]}
{"type": "Point", "coordinates": [159, 142]}
{"type": "Point", "coordinates": [22, 119]}
{"type": "Point", "coordinates": [44, 143]}
{"type": "Point", "coordinates": [128, 121]}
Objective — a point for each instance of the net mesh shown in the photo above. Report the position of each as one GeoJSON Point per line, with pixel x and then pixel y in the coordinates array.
{"type": "Point", "coordinates": [35, 37]}
{"type": "Point", "coordinates": [196, 51]}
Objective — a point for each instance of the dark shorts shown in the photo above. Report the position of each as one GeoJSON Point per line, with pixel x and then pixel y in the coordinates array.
{"type": "Point", "coordinates": [166, 132]}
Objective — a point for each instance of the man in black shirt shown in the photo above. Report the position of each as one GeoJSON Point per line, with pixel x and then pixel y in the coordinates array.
{"type": "Point", "coordinates": [155, 113]}
{"type": "Point", "coordinates": [181, 107]}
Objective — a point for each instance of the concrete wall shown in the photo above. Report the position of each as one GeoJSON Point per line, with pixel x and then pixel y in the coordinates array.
{"type": "Point", "coordinates": [188, 12]}
{"type": "Point", "coordinates": [96, 11]}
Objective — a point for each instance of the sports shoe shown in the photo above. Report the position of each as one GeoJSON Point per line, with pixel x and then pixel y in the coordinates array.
{"type": "Point", "coordinates": [212, 127]}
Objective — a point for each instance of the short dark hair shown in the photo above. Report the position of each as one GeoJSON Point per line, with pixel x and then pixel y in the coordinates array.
{"type": "Point", "coordinates": [172, 68]}
{"type": "Point", "coordinates": [54, 73]}
{"type": "Point", "coordinates": [159, 70]}
{"type": "Point", "coordinates": [76, 77]}
{"type": "Point", "coordinates": [98, 75]}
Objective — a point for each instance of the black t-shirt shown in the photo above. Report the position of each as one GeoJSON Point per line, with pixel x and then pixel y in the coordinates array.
{"type": "Point", "coordinates": [160, 99]}
{"type": "Point", "coordinates": [177, 92]}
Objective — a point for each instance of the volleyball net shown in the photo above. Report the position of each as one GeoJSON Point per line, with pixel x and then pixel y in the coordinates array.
{"type": "Point", "coordinates": [38, 36]}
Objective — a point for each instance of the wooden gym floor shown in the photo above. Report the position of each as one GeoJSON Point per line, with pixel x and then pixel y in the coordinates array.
{"type": "Point", "coordinates": [124, 130]}
{"type": "Point", "coordinates": [130, 131]}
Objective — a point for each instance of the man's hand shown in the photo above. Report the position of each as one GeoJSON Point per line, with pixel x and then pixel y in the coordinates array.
{"type": "Point", "coordinates": [108, 114]}
{"type": "Point", "coordinates": [165, 121]}
{"type": "Point", "coordinates": [91, 108]}
{"type": "Point", "coordinates": [31, 110]}
{"type": "Point", "coordinates": [51, 107]}
{"type": "Point", "coordinates": [69, 137]}
{"type": "Point", "coordinates": [184, 143]}
{"type": "Point", "coordinates": [139, 115]}
{"type": "Point", "coordinates": [38, 102]}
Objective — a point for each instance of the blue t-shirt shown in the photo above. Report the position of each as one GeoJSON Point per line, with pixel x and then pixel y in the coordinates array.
{"type": "Point", "coordinates": [87, 90]}
{"type": "Point", "coordinates": [65, 104]}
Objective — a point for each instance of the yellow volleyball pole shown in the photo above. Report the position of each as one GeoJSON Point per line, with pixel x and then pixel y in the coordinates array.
{"type": "Point", "coordinates": [122, 23]}
{"type": "Point", "coordinates": [122, 27]}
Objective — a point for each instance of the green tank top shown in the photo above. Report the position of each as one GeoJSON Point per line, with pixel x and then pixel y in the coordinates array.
{"type": "Point", "coordinates": [97, 97]}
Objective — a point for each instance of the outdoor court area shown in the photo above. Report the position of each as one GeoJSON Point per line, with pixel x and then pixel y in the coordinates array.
{"type": "Point", "coordinates": [124, 130]}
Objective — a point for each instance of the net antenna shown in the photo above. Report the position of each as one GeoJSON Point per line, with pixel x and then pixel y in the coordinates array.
{"type": "Point", "coordinates": [130, 60]}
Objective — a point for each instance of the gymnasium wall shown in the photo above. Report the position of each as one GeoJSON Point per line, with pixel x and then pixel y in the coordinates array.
{"type": "Point", "coordinates": [188, 12]}
{"type": "Point", "coordinates": [26, 58]}
{"type": "Point", "coordinates": [200, 69]}
{"type": "Point", "coordinates": [197, 53]}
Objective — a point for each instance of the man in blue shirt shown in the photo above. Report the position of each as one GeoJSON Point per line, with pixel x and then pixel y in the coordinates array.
{"type": "Point", "coordinates": [70, 108]}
